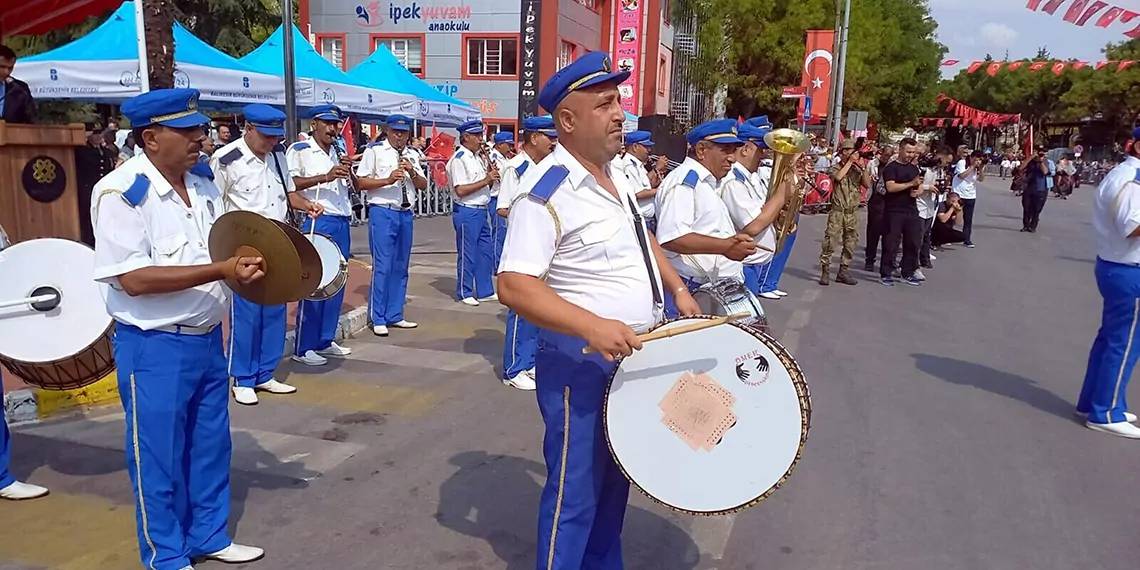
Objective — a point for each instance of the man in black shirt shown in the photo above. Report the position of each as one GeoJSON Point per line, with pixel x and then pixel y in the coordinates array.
{"type": "Point", "coordinates": [1036, 191]}
{"type": "Point", "coordinates": [903, 181]}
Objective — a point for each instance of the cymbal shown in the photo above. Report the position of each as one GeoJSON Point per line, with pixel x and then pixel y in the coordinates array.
{"type": "Point", "coordinates": [311, 272]}
{"type": "Point", "coordinates": [252, 235]}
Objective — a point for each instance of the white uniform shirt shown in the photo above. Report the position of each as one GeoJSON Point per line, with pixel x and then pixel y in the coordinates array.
{"type": "Point", "coordinates": [762, 177]}
{"type": "Point", "coordinates": [380, 161]}
{"type": "Point", "coordinates": [306, 160]}
{"type": "Point", "coordinates": [965, 187]}
{"type": "Point", "coordinates": [161, 231]}
{"type": "Point", "coordinates": [511, 184]}
{"type": "Point", "coordinates": [500, 162]}
{"type": "Point", "coordinates": [635, 170]}
{"type": "Point", "coordinates": [929, 202]}
{"type": "Point", "coordinates": [251, 184]}
{"type": "Point", "coordinates": [466, 167]}
{"type": "Point", "coordinates": [586, 248]}
{"type": "Point", "coordinates": [1116, 214]}
{"type": "Point", "coordinates": [683, 210]}
{"type": "Point", "coordinates": [744, 204]}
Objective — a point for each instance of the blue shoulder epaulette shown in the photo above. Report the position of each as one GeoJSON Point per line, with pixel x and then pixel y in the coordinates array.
{"type": "Point", "coordinates": [634, 161]}
{"type": "Point", "coordinates": [279, 148]}
{"type": "Point", "coordinates": [459, 154]}
{"type": "Point", "coordinates": [691, 179]}
{"type": "Point", "coordinates": [202, 169]}
{"type": "Point", "coordinates": [520, 169]}
{"type": "Point", "coordinates": [739, 175]}
{"type": "Point", "coordinates": [230, 157]}
{"type": "Point", "coordinates": [135, 194]}
{"type": "Point", "coordinates": [1137, 179]}
{"type": "Point", "coordinates": [372, 144]}
{"type": "Point", "coordinates": [300, 145]}
{"type": "Point", "coordinates": [545, 187]}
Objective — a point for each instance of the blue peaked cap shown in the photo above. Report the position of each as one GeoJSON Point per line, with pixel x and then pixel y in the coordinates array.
{"type": "Point", "coordinates": [590, 69]}
{"type": "Point", "coordinates": [174, 108]}
{"type": "Point", "coordinates": [470, 128]}
{"type": "Point", "coordinates": [543, 125]}
{"type": "Point", "coordinates": [720, 131]}
{"type": "Point", "coordinates": [326, 113]}
{"type": "Point", "coordinates": [643, 138]}
{"type": "Point", "coordinates": [504, 137]}
{"type": "Point", "coordinates": [749, 133]}
{"type": "Point", "coordinates": [761, 121]}
{"type": "Point", "coordinates": [399, 123]}
{"type": "Point", "coordinates": [267, 120]}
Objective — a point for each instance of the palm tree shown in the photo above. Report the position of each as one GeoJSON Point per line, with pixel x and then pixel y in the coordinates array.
{"type": "Point", "coordinates": [158, 19]}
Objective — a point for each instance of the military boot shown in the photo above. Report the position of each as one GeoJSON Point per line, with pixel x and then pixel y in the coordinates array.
{"type": "Point", "coordinates": [824, 275]}
{"type": "Point", "coordinates": [845, 277]}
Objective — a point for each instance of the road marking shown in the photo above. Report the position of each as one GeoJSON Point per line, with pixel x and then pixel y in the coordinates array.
{"type": "Point", "coordinates": [442, 303]}
{"type": "Point", "coordinates": [69, 532]}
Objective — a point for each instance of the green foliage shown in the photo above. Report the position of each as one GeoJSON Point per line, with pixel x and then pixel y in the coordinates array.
{"type": "Point", "coordinates": [756, 47]}
{"type": "Point", "coordinates": [233, 26]}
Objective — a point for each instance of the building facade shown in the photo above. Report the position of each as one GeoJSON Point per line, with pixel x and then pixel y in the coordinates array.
{"type": "Point", "coordinates": [479, 50]}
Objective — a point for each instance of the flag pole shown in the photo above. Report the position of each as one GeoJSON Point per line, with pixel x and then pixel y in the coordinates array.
{"type": "Point", "coordinates": [291, 126]}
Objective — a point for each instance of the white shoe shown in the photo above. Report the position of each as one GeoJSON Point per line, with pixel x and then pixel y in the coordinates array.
{"type": "Point", "coordinates": [770, 295]}
{"type": "Point", "coordinates": [18, 491]}
{"type": "Point", "coordinates": [188, 568]}
{"type": "Point", "coordinates": [1128, 416]}
{"type": "Point", "coordinates": [237, 554]}
{"type": "Point", "coordinates": [933, 257]}
{"type": "Point", "coordinates": [311, 359]}
{"type": "Point", "coordinates": [404, 325]}
{"type": "Point", "coordinates": [494, 298]}
{"type": "Point", "coordinates": [245, 396]}
{"type": "Point", "coordinates": [274, 387]}
{"type": "Point", "coordinates": [380, 330]}
{"type": "Point", "coordinates": [523, 380]}
{"type": "Point", "coordinates": [780, 293]}
{"type": "Point", "coordinates": [335, 349]}
{"type": "Point", "coordinates": [470, 302]}
{"type": "Point", "coordinates": [1122, 429]}
{"type": "Point", "coordinates": [918, 274]}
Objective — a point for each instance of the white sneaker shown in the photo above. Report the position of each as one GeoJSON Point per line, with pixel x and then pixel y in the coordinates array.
{"type": "Point", "coordinates": [237, 554]}
{"type": "Point", "coordinates": [1128, 416]}
{"type": "Point", "coordinates": [274, 387]}
{"type": "Point", "coordinates": [380, 330]}
{"type": "Point", "coordinates": [918, 274]}
{"type": "Point", "coordinates": [770, 295]}
{"type": "Point", "coordinates": [494, 298]}
{"type": "Point", "coordinates": [470, 302]}
{"type": "Point", "coordinates": [18, 491]}
{"type": "Point", "coordinates": [780, 293]}
{"type": "Point", "coordinates": [1122, 429]}
{"type": "Point", "coordinates": [405, 325]}
{"type": "Point", "coordinates": [335, 349]}
{"type": "Point", "coordinates": [523, 380]}
{"type": "Point", "coordinates": [933, 257]}
{"type": "Point", "coordinates": [311, 359]}
{"type": "Point", "coordinates": [245, 396]}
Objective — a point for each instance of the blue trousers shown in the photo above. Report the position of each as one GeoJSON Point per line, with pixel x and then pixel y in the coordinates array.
{"type": "Point", "coordinates": [476, 252]}
{"type": "Point", "coordinates": [1115, 350]}
{"type": "Point", "coordinates": [752, 276]}
{"type": "Point", "coordinates": [257, 341]}
{"type": "Point", "coordinates": [175, 393]}
{"type": "Point", "coordinates": [390, 241]}
{"type": "Point", "coordinates": [6, 478]}
{"type": "Point", "coordinates": [583, 502]}
{"type": "Point", "coordinates": [771, 272]}
{"type": "Point", "coordinates": [498, 233]}
{"type": "Point", "coordinates": [317, 320]}
{"type": "Point", "coordinates": [521, 341]}
{"type": "Point", "coordinates": [671, 311]}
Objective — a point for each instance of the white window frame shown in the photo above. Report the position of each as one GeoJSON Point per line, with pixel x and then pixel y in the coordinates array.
{"type": "Point", "coordinates": [404, 54]}
{"type": "Point", "coordinates": [491, 48]}
{"type": "Point", "coordinates": [335, 55]}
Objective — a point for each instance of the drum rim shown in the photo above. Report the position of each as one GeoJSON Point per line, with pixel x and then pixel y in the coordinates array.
{"type": "Point", "coordinates": [107, 335]}
{"type": "Point", "coordinates": [802, 394]}
{"type": "Point", "coordinates": [320, 293]}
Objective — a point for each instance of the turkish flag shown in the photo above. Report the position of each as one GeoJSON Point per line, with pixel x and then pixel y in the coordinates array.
{"type": "Point", "coordinates": [1014, 65]}
{"type": "Point", "coordinates": [440, 151]}
{"type": "Point", "coordinates": [349, 138]}
{"type": "Point", "coordinates": [818, 65]}
{"type": "Point", "coordinates": [1038, 65]}
{"type": "Point", "coordinates": [950, 62]}
{"type": "Point", "coordinates": [974, 66]}
{"type": "Point", "coordinates": [1101, 64]}
{"type": "Point", "coordinates": [1058, 68]}
{"type": "Point", "coordinates": [1125, 65]}
{"type": "Point", "coordinates": [994, 68]}
{"type": "Point", "coordinates": [1080, 64]}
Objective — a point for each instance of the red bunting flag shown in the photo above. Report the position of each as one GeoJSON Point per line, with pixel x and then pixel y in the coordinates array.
{"type": "Point", "coordinates": [994, 68]}
{"type": "Point", "coordinates": [1051, 6]}
{"type": "Point", "coordinates": [1109, 17]}
{"type": "Point", "coordinates": [1038, 65]}
{"type": "Point", "coordinates": [1058, 68]}
{"type": "Point", "coordinates": [1080, 64]}
{"type": "Point", "coordinates": [1125, 65]}
{"type": "Point", "coordinates": [1015, 65]}
{"type": "Point", "coordinates": [951, 62]}
{"type": "Point", "coordinates": [974, 66]}
{"type": "Point", "coordinates": [1101, 64]}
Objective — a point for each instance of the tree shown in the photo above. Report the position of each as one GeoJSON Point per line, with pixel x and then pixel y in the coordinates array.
{"type": "Point", "coordinates": [158, 19]}
{"type": "Point", "coordinates": [236, 27]}
{"type": "Point", "coordinates": [1114, 94]}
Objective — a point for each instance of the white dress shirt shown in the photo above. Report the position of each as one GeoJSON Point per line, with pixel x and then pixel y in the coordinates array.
{"type": "Point", "coordinates": [466, 167]}
{"type": "Point", "coordinates": [306, 160]}
{"type": "Point", "coordinates": [500, 162]}
{"type": "Point", "coordinates": [761, 179]}
{"type": "Point", "coordinates": [965, 187]}
{"type": "Point", "coordinates": [583, 242]}
{"type": "Point", "coordinates": [683, 210]}
{"type": "Point", "coordinates": [744, 205]}
{"type": "Point", "coordinates": [1116, 214]}
{"type": "Point", "coordinates": [635, 170]}
{"type": "Point", "coordinates": [928, 203]}
{"type": "Point", "coordinates": [252, 184]}
{"type": "Point", "coordinates": [511, 188]}
{"type": "Point", "coordinates": [379, 162]}
{"type": "Point", "coordinates": [160, 231]}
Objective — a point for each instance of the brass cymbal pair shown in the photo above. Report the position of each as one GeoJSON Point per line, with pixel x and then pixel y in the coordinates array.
{"type": "Point", "coordinates": [291, 264]}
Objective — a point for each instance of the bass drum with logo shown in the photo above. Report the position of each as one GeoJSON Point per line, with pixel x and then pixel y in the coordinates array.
{"type": "Point", "coordinates": [708, 422]}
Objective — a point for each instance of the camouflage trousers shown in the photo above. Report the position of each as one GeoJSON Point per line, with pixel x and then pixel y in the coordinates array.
{"type": "Point", "coordinates": [840, 226]}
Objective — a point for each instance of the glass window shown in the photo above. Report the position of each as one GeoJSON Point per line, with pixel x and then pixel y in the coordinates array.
{"type": "Point", "coordinates": [493, 56]}
{"type": "Point", "coordinates": [332, 49]}
{"type": "Point", "coordinates": [591, 4]}
{"type": "Point", "coordinates": [409, 52]}
{"type": "Point", "coordinates": [566, 54]}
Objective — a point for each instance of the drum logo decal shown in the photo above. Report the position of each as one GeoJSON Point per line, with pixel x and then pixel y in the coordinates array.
{"type": "Point", "coordinates": [44, 179]}
{"type": "Point", "coordinates": [752, 368]}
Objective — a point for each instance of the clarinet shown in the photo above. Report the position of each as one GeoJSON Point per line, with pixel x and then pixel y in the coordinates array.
{"type": "Point", "coordinates": [405, 203]}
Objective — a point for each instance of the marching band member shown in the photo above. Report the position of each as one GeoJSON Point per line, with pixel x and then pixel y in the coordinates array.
{"type": "Point", "coordinates": [770, 272]}
{"type": "Point", "coordinates": [152, 218]}
{"type": "Point", "coordinates": [693, 223]}
{"type": "Point", "coordinates": [320, 172]}
{"type": "Point", "coordinates": [751, 211]}
{"type": "Point", "coordinates": [501, 152]}
{"type": "Point", "coordinates": [471, 181]}
{"type": "Point", "coordinates": [580, 264]}
{"type": "Point", "coordinates": [252, 175]}
{"type": "Point", "coordinates": [637, 145]}
{"type": "Point", "coordinates": [1116, 220]}
{"type": "Point", "coordinates": [763, 173]}
{"type": "Point", "coordinates": [539, 139]}
{"type": "Point", "coordinates": [10, 488]}
{"type": "Point", "coordinates": [391, 176]}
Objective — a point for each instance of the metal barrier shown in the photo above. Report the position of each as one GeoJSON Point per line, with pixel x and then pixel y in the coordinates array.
{"type": "Point", "coordinates": [435, 200]}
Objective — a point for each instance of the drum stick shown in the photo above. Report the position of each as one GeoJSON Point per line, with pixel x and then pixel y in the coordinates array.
{"type": "Point", "coordinates": [27, 301]}
{"type": "Point", "coordinates": [660, 334]}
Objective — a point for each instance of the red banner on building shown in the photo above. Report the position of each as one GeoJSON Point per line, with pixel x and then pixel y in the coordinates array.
{"type": "Point", "coordinates": [627, 52]}
{"type": "Point", "coordinates": [818, 65]}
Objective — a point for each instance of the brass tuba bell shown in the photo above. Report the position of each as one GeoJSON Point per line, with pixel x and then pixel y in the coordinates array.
{"type": "Point", "coordinates": [787, 145]}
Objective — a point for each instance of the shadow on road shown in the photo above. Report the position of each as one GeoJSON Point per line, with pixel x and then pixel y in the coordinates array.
{"type": "Point", "coordinates": [294, 475]}
{"type": "Point", "coordinates": [495, 498]}
{"type": "Point", "coordinates": [487, 343]}
{"type": "Point", "coordinates": [997, 382]}
{"type": "Point", "coordinates": [445, 285]}
{"type": "Point", "coordinates": [1077, 259]}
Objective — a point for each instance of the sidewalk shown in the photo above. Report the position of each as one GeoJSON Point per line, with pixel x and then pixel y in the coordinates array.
{"type": "Point", "coordinates": [433, 236]}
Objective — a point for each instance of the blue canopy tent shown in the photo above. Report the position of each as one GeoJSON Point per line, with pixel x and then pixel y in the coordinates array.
{"type": "Point", "coordinates": [103, 67]}
{"type": "Point", "coordinates": [383, 69]}
{"type": "Point", "coordinates": [330, 85]}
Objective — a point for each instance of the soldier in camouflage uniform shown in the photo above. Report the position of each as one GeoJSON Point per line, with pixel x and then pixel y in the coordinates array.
{"type": "Point", "coordinates": [848, 174]}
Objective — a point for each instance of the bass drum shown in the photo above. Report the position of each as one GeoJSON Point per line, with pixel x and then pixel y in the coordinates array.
{"type": "Point", "coordinates": [727, 297]}
{"type": "Point", "coordinates": [63, 340]}
{"type": "Point", "coordinates": [334, 268]}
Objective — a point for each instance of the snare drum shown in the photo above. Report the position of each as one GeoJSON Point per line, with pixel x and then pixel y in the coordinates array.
{"type": "Point", "coordinates": [727, 297]}
{"type": "Point", "coordinates": [334, 268]}
{"type": "Point", "coordinates": [709, 422]}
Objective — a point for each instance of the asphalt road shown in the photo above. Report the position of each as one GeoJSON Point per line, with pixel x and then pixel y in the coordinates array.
{"type": "Point", "coordinates": [942, 436]}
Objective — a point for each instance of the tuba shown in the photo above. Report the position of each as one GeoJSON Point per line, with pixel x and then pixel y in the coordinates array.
{"type": "Point", "coordinates": [787, 145]}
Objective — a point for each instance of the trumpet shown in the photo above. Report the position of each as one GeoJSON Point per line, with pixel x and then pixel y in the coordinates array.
{"type": "Point", "coordinates": [788, 146]}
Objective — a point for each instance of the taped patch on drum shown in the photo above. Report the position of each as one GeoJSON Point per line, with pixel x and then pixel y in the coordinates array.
{"type": "Point", "coordinates": [698, 410]}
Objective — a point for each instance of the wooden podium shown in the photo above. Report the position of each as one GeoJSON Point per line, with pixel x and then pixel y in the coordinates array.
{"type": "Point", "coordinates": [38, 194]}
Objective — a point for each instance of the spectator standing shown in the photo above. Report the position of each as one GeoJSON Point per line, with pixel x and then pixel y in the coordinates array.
{"type": "Point", "coordinates": [903, 181]}
{"type": "Point", "coordinates": [16, 102]}
{"type": "Point", "coordinates": [875, 205]}
{"type": "Point", "coordinates": [967, 174]}
{"type": "Point", "coordinates": [1036, 191]}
